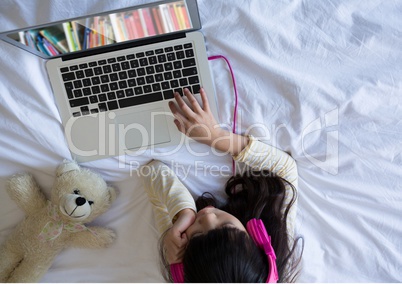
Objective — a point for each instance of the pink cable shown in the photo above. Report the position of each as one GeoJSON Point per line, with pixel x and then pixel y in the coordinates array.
{"type": "Point", "coordinates": [234, 87]}
{"type": "Point", "coordinates": [235, 93]}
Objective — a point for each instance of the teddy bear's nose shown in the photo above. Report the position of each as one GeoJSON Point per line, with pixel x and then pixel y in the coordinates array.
{"type": "Point", "coordinates": [80, 201]}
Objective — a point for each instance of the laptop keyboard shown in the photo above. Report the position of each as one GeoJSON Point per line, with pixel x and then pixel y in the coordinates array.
{"type": "Point", "coordinates": [130, 80]}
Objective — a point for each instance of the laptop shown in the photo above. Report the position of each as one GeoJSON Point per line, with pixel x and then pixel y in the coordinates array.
{"type": "Point", "coordinates": [113, 74]}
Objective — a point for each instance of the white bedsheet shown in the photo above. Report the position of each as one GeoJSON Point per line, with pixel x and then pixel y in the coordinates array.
{"type": "Point", "coordinates": [319, 79]}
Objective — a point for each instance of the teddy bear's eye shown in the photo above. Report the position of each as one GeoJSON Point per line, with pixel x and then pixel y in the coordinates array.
{"type": "Point", "coordinates": [76, 191]}
{"type": "Point", "coordinates": [90, 202]}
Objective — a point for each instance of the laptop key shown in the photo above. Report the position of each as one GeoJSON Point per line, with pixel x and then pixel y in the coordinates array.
{"type": "Point", "coordinates": [143, 62]}
{"type": "Point", "coordinates": [138, 100]}
{"type": "Point", "coordinates": [116, 67]}
{"type": "Point", "coordinates": [114, 86]}
{"type": "Point", "coordinates": [84, 110]}
{"type": "Point", "coordinates": [131, 83]}
{"type": "Point", "coordinates": [141, 81]}
{"type": "Point", "coordinates": [141, 72]}
{"type": "Point", "coordinates": [180, 55]}
{"type": "Point", "coordinates": [102, 97]}
{"type": "Point", "coordinates": [180, 91]}
{"type": "Point", "coordinates": [95, 90]}
{"type": "Point", "coordinates": [138, 91]}
{"type": "Point", "coordinates": [89, 72]}
{"type": "Point", "coordinates": [93, 99]}
{"type": "Point", "coordinates": [129, 92]}
{"type": "Point", "coordinates": [86, 91]}
{"type": "Point", "coordinates": [169, 94]}
{"type": "Point", "coordinates": [171, 56]}
{"type": "Point", "coordinates": [189, 53]}
{"type": "Point", "coordinates": [112, 105]}
{"type": "Point", "coordinates": [69, 86]}
{"type": "Point", "coordinates": [107, 69]}
{"type": "Point", "coordinates": [86, 82]}
{"type": "Point", "coordinates": [77, 93]}
{"type": "Point", "coordinates": [152, 60]}
{"type": "Point", "coordinates": [162, 58]}
{"type": "Point", "coordinates": [183, 82]}
{"type": "Point", "coordinates": [193, 80]}
{"type": "Point", "coordinates": [189, 62]}
{"type": "Point", "coordinates": [189, 71]}
{"type": "Point", "coordinates": [79, 102]}
{"type": "Point", "coordinates": [147, 89]}
{"type": "Point", "coordinates": [177, 65]}
{"type": "Point", "coordinates": [174, 83]}
{"type": "Point", "coordinates": [156, 87]}
{"type": "Point", "coordinates": [98, 71]}
{"type": "Point", "coordinates": [177, 74]}
{"type": "Point", "coordinates": [158, 51]}
{"type": "Point", "coordinates": [95, 80]}
{"type": "Point", "coordinates": [68, 76]}
{"type": "Point", "coordinates": [125, 65]}
{"type": "Point", "coordinates": [196, 89]}
{"type": "Point", "coordinates": [77, 84]}
{"type": "Point", "coordinates": [102, 107]}
{"type": "Point", "coordinates": [120, 94]}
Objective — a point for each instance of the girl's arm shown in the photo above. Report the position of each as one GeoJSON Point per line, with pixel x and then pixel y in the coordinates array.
{"type": "Point", "coordinates": [174, 207]}
{"type": "Point", "coordinates": [199, 123]}
{"type": "Point", "coordinates": [259, 156]}
{"type": "Point", "coordinates": [167, 194]}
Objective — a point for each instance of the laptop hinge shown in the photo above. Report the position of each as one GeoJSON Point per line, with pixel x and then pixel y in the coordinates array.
{"type": "Point", "coordinates": [121, 46]}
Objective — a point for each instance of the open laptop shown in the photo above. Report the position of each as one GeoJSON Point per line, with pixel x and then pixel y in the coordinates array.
{"type": "Point", "coordinates": [113, 74]}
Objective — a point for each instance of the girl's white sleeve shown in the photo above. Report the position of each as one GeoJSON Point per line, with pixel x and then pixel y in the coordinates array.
{"type": "Point", "coordinates": [259, 156]}
{"type": "Point", "coordinates": [166, 192]}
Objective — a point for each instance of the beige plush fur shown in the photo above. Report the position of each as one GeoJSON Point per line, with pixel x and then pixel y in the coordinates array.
{"type": "Point", "coordinates": [78, 196]}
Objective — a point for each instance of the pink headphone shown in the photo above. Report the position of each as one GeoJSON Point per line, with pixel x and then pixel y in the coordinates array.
{"type": "Point", "coordinates": [257, 231]}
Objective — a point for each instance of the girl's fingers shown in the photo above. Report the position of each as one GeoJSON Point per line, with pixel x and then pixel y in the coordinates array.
{"type": "Point", "coordinates": [194, 103]}
{"type": "Point", "coordinates": [180, 126]}
{"type": "Point", "coordinates": [188, 112]}
{"type": "Point", "coordinates": [179, 118]}
{"type": "Point", "coordinates": [204, 99]}
{"type": "Point", "coordinates": [176, 112]}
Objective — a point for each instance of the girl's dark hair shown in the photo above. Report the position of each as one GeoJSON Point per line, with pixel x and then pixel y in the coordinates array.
{"type": "Point", "coordinates": [230, 255]}
{"type": "Point", "coordinates": [224, 255]}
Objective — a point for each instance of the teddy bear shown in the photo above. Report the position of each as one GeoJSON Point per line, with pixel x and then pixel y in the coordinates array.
{"type": "Point", "coordinates": [78, 196]}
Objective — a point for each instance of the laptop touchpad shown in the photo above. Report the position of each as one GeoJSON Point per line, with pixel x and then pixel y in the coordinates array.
{"type": "Point", "coordinates": [141, 129]}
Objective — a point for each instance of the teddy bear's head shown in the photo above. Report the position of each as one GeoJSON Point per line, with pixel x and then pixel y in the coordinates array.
{"type": "Point", "coordinates": [80, 194]}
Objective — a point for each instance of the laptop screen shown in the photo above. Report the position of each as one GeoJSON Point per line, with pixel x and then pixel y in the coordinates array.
{"type": "Point", "coordinates": [134, 23]}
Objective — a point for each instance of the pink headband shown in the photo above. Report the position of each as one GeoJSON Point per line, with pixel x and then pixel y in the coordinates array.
{"type": "Point", "coordinates": [257, 231]}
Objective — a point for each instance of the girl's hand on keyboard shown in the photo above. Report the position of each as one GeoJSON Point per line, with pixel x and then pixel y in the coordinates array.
{"type": "Point", "coordinates": [193, 120]}
{"type": "Point", "coordinates": [199, 123]}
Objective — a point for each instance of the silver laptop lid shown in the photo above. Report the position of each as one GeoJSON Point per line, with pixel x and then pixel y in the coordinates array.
{"type": "Point", "coordinates": [95, 33]}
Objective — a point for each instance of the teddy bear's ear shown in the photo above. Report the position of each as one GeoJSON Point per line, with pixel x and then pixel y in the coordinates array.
{"type": "Point", "coordinates": [112, 193]}
{"type": "Point", "coordinates": [67, 166]}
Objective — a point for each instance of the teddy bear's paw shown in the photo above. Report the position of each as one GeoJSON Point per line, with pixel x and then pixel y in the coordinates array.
{"type": "Point", "coordinates": [23, 189]}
{"type": "Point", "coordinates": [104, 236]}
{"type": "Point", "coordinates": [19, 183]}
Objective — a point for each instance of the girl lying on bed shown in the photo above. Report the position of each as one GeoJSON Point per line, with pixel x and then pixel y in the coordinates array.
{"type": "Point", "coordinates": [247, 239]}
